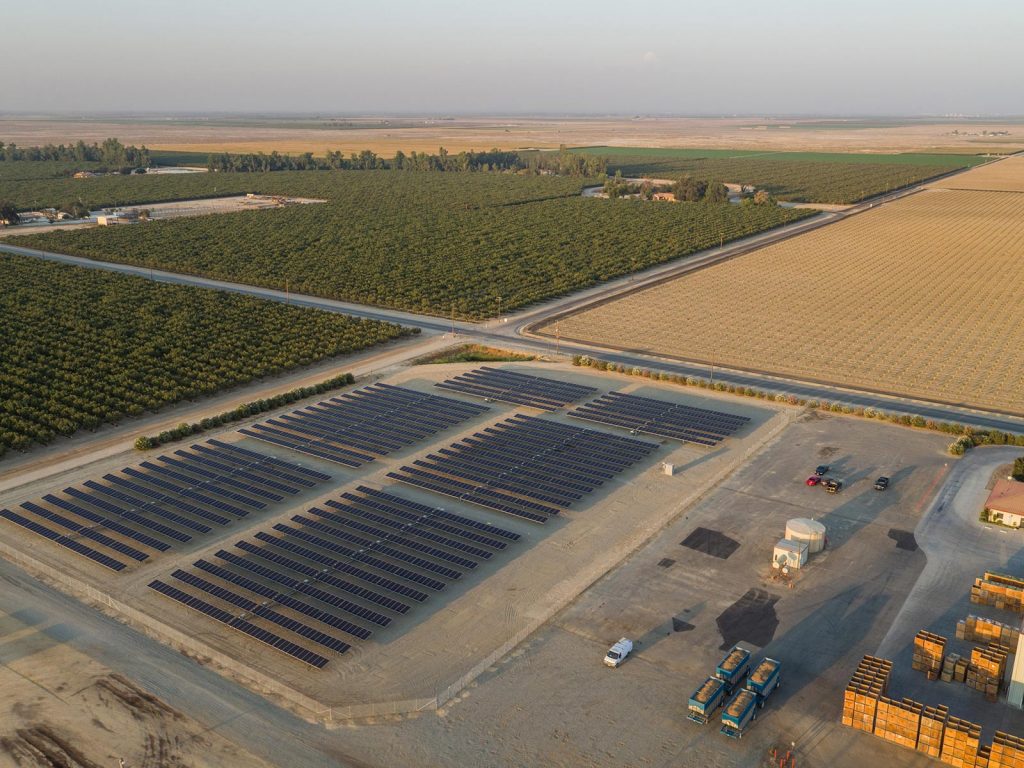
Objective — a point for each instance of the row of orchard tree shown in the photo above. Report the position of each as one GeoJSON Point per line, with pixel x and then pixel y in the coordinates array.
{"type": "Point", "coordinates": [111, 153]}
{"type": "Point", "coordinates": [562, 163]}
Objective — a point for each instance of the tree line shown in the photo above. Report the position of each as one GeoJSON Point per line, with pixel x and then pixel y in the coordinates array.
{"type": "Point", "coordinates": [687, 189]}
{"type": "Point", "coordinates": [562, 163]}
{"type": "Point", "coordinates": [110, 154]}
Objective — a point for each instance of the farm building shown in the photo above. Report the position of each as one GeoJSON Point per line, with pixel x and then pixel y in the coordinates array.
{"type": "Point", "coordinates": [665, 196]}
{"type": "Point", "coordinates": [1005, 503]}
{"type": "Point", "coordinates": [84, 175]}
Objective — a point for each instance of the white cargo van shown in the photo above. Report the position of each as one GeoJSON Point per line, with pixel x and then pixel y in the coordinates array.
{"type": "Point", "coordinates": [618, 652]}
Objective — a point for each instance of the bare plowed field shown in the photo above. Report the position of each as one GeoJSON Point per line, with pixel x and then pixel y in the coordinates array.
{"type": "Point", "coordinates": [1005, 176]}
{"type": "Point", "coordinates": [921, 297]}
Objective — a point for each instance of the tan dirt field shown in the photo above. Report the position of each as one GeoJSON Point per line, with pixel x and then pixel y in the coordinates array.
{"type": "Point", "coordinates": [425, 134]}
{"type": "Point", "coordinates": [61, 708]}
{"type": "Point", "coordinates": [919, 297]}
{"type": "Point", "coordinates": [1005, 176]}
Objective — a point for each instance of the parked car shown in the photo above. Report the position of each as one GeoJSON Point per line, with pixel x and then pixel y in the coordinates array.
{"type": "Point", "coordinates": [881, 483]}
{"type": "Point", "coordinates": [833, 486]}
{"type": "Point", "coordinates": [618, 652]}
{"type": "Point", "coordinates": [821, 469]}
{"type": "Point", "coordinates": [813, 480]}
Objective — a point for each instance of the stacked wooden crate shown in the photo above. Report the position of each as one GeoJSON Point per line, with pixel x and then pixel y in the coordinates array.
{"type": "Point", "coordinates": [961, 741]}
{"type": "Point", "coordinates": [949, 667]}
{"type": "Point", "coordinates": [933, 724]}
{"type": "Point", "coordinates": [1000, 590]}
{"type": "Point", "coordinates": [1007, 751]}
{"type": "Point", "coordinates": [929, 651]}
{"type": "Point", "coordinates": [898, 721]}
{"type": "Point", "coordinates": [870, 682]}
{"type": "Point", "coordinates": [988, 666]}
{"type": "Point", "coordinates": [977, 629]}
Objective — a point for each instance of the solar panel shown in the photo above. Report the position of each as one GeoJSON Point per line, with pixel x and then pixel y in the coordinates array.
{"type": "Point", "coordinates": [210, 486]}
{"type": "Point", "coordinates": [525, 466]}
{"type": "Point", "coordinates": [358, 426]}
{"type": "Point", "coordinates": [257, 633]}
{"type": "Point", "coordinates": [227, 458]}
{"type": "Point", "coordinates": [304, 586]}
{"type": "Point", "coordinates": [300, 606]}
{"type": "Point", "coordinates": [141, 506]}
{"type": "Point", "coordinates": [518, 388]}
{"type": "Point", "coordinates": [114, 525]}
{"type": "Point", "coordinates": [644, 415]}
{"type": "Point", "coordinates": [85, 532]}
{"type": "Point", "coordinates": [262, 611]}
{"type": "Point", "coordinates": [362, 557]}
{"type": "Point", "coordinates": [297, 468]}
{"type": "Point", "coordinates": [180, 490]}
{"type": "Point", "coordinates": [63, 541]}
{"type": "Point", "coordinates": [434, 511]}
{"type": "Point", "coordinates": [330, 563]}
{"type": "Point", "coordinates": [236, 472]}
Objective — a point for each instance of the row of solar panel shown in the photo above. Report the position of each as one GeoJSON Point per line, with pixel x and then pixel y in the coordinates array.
{"type": "Point", "coordinates": [355, 428]}
{"type": "Point", "coordinates": [149, 509]}
{"type": "Point", "coordinates": [518, 388]}
{"type": "Point", "coordinates": [326, 587]}
{"type": "Point", "coordinates": [526, 467]}
{"type": "Point", "coordinates": [658, 417]}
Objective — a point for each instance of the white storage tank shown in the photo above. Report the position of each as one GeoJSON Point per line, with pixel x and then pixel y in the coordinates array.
{"type": "Point", "coordinates": [789, 554]}
{"type": "Point", "coordinates": [810, 531]}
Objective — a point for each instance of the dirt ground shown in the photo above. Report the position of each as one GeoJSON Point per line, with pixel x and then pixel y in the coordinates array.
{"type": "Point", "coordinates": [62, 709]}
{"type": "Point", "coordinates": [906, 298]}
{"type": "Point", "coordinates": [483, 133]}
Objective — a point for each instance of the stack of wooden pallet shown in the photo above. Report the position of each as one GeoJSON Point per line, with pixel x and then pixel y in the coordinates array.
{"type": "Point", "coordinates": [977, 629]}
{"type": "Point", "coordinates": [933, 724]}
{"type": "Point", "coordinates": [1000, 590]}
{"type": "Point", "coordinates": [961, 741]}
{"type": "Point", "coordinates": [898, 721]}
{"type": "Point", "coordinates": [949, 667]}
{"type": "Point", "coordinates": [860, 700]}
{"type": "Point", "coordinates": [1007, 751]}
{"type": "Point", "coordinates": [988, 666]}
{"type": "Point", "coordinates": [929, 651]}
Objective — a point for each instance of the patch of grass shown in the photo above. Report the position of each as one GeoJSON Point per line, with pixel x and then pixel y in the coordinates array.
{"type": "Point", "coordinates": [474, 353]}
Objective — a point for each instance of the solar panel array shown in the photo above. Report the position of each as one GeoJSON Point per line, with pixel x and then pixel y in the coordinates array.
{"type": "Point", "coordinates": [645, 415]}
{"type": "Point", "coordinates": [525, 466]}
{"type": "Point", "coordinates": [356, 427]}
{"type": "Point", "coordinates": [337, 573]}
{"type": "Point", "coordinates": [519, 388]}
{"type": "Point", "coordinates": [162, 503]}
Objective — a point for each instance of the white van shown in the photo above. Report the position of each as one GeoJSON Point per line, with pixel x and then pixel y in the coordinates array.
{"type": "Point", "coordinates": [618, 652]}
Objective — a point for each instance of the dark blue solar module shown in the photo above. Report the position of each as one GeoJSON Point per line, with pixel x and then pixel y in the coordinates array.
{"type": "Point", "coordinates": [177, 499]}
{"type": "Point", "coordinates": [356, 427]}
{"type": "Point", "coordinates": [645, 415]}
{"type": "Point", "coordinates": [518, 388]}
{"type": "Point", "coordinates": [345, 568]}
{"type": "Point", "coordinates": [525, 466]}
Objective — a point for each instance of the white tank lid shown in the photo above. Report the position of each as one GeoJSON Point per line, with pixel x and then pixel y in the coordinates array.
{"type": "Point", "coordinates": [805, 526]}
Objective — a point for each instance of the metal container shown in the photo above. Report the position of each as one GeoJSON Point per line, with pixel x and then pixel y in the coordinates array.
{"type": "Point", "coordinates": [810, 531]}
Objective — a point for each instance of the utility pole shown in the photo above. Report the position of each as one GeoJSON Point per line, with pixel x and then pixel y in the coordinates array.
{"type": "Point", "coordinates": [558, 340]}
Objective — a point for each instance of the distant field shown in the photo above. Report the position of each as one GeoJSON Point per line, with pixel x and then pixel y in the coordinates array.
{"type": "Point", "coordinates": [1005, 176]}
{"type": "Point", "coordinates": [819, 177]}
{"type": "Point", "coordinates": [425, 242]}
{"type": "Point", "coordinates": [920, 297]}
{"type": "Point", "coordinates": [80, 347]}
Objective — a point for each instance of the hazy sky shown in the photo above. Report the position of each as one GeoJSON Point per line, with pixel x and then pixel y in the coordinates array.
{"type": "Point", "coordinates": [556, 56]}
